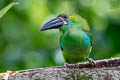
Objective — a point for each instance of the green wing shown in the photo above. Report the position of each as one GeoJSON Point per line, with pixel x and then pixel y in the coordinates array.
{"type": "Point", "coordinates": [86, 28]}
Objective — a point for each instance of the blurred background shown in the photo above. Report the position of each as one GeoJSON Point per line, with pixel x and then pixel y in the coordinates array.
{"type": "Point", "coordinates": [23, 46]}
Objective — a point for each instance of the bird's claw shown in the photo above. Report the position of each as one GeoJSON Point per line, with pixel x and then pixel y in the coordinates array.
{"type": "Point", "coordinates": [92, 62]}
{"type": "Point", "coordinates": [66, 65]}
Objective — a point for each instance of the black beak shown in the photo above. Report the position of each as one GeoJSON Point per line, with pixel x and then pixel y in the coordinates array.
{"type": "Point", "coordinates": [53, 24]}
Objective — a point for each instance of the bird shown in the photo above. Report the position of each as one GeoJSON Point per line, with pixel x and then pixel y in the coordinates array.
{"type": "Point", "coordinates": [76, 39]}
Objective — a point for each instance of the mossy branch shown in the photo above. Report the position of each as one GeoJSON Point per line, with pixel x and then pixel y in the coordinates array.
{"type": "Point", "coordinates": [107, 69]}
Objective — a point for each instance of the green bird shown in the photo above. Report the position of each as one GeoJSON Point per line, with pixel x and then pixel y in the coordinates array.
{"type": "Point", "coordinates": [76, 38]}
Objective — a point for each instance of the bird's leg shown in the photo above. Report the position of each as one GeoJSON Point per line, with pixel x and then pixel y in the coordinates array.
{"type": "Point", "coordinates": [92, 62]}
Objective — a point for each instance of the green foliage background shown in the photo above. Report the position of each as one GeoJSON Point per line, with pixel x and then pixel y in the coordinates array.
{"type": "Point", "coordinates": [23, 46]}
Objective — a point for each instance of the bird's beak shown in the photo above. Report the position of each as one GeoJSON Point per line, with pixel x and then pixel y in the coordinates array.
{"type": "Point", "coordinates": [53, 24]}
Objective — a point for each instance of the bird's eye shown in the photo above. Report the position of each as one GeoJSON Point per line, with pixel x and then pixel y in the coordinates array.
{"type": "Point", "coordinates": [65, 16]}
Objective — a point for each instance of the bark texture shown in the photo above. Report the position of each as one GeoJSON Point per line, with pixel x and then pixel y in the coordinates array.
{"type": "Point", "coordinates": [108, 69]}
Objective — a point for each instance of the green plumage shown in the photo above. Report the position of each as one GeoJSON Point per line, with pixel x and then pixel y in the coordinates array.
{"type": "Point", "coordinates": [76, 38]}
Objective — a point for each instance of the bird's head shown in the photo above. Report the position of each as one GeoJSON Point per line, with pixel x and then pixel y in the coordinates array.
{"type": "Point", "coordinates": [62, 21]}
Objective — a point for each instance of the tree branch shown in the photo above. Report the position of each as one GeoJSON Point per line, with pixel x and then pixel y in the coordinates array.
{"type": "Point", "coordinates": [107, 69]}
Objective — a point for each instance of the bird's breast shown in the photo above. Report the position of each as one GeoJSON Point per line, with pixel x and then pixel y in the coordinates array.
{"type": "Point", "coordinates": [75, 41]}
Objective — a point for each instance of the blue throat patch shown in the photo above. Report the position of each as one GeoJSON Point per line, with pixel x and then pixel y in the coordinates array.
{"type": "Point", "coordinates": [69, 22]}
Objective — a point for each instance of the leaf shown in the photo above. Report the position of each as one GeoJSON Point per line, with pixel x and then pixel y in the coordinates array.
{"type": "Point", "coordinates": [4, 10]}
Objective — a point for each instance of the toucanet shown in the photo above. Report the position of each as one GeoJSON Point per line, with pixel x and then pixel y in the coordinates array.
{"type": "Point", "coordinates": [75, 40]}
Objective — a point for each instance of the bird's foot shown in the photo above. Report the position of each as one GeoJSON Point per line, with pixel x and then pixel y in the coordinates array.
{"type": "Point", "coordinates": [66, 65]}
{"type": "Point", "coordinates": [92, 62]}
